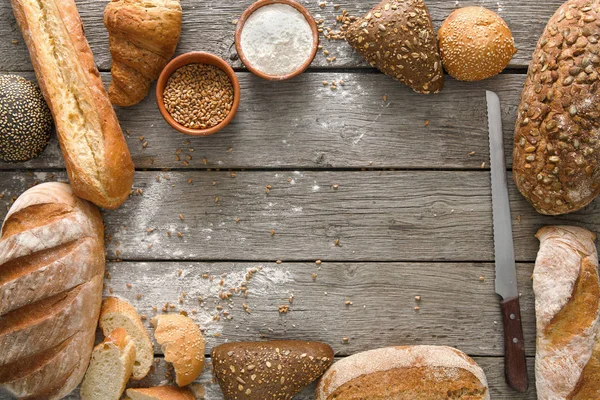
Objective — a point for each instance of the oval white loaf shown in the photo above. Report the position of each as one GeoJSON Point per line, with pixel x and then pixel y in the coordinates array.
{"type": "Point", "coordinates": [404, 373]}
{"type": "Point", "coordinates": [51, 273]}
{"type": "Point", "coordinates": [567, 306]}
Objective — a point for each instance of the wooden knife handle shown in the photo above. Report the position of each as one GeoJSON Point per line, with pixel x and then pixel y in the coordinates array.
{"type": "Point", "coordinates": [515, 364]}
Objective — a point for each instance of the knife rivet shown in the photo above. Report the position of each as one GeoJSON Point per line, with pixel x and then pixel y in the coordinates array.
{"type": "Point", "coordinates": [515, 340]}
{"type": "Point", "coordinates": [512, 316]}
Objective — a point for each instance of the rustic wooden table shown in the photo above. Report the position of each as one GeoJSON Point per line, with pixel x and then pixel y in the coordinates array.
{"type": "Point", "coordinates": [390, 189]}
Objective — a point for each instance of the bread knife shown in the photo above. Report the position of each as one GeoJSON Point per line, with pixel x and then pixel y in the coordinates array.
{"type": "Point", "coordinates": [515, 366]}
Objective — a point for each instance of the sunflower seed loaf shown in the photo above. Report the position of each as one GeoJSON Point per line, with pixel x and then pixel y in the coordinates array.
{"type": "Point", "coordinates": [397, 37]}
{"type": "Point", "coordinates": [556, 149]}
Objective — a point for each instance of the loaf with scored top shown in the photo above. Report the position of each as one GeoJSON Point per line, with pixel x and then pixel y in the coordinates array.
{"type": "Point", "coordinates": [567, 306]}
{"type": "Point", "coordinates": [51, 274]}
{"type": "Point", "coordinates": [96, 155]}
{"type": "Point", "coordinates": [556, 145]}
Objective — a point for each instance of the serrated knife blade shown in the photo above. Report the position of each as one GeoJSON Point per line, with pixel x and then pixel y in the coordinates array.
{"type": "Point", "coordinates": [506, 270]}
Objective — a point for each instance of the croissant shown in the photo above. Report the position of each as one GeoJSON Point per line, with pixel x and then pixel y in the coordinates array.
{"type": "Point", "coordinates": [143, 36]}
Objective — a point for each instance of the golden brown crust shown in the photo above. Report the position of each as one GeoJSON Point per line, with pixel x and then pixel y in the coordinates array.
{"type": "Point", "coordinates": [275, 370]}
{"type": "Point", "coordinates": [182, 344]}
{"type": "Point", "coordinates": [143, 37]}
{"type": "Point", "coordinates": [161, 393]}
{"type": "Point", "coordinates": [567, 302]}
{"type": "Point", "coordinates": [47, 334]}
{"type": "Point", "coordinates": [556, 148]}
{"type": "Point", "coordinates": [97, 158]}
{"type": "Point", "coordinates": [475, 44]}
{"type": "Point", "coordinates": [397, 37]}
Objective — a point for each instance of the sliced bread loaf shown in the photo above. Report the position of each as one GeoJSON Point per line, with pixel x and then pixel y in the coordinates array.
{"type": "Point", "coordinates": [110, 368]}
{"type": "Point", "coordinates": [117, 313]}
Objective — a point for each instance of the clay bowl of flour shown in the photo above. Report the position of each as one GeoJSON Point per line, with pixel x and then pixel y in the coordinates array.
{"type": "Point", "coordinates": [276, 39]}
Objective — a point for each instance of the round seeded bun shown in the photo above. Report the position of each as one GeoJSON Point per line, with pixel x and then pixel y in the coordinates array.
{"type": "Point", "coordinates": [25, 119]}
{"type": "Point", "coordinates": [475, 44]}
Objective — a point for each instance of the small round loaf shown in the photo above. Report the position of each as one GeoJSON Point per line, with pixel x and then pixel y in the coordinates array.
{"type": "Point", "coordinates": [475, 44]}
{"type": "Point", "coordinates": [404, 373]}
{"type": "Point", "coordinates": [25, 119]}
{"type": "Point", "coordinates": [183, 345]}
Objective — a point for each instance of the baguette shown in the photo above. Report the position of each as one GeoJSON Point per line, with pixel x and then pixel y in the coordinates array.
{"type": "Point", "coordinates": [556, 146]}
{"type": "Point", "coordinates": [96, 155]}
{"type": "Point", "coordinates": [51, 275]}
{"type": "Point", "coordinates": [405, 373]}
{"type": "Point", "coordinates": [117, 313]}
{"type": "Point", "coordinates": [110, 367]}
{"type": "Point", "coordinates": [567, 306]}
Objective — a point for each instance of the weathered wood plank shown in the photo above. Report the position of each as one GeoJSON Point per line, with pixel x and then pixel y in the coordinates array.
{"type": "Point", "coordinates": [205, 387]}
{"type": "Point", "coordinates": [376, 215]}
{"type": "Point", "coordinates": [302, 124]}
{"type": "Point", "coordinates": [208, 27]}
{"type": "Point", "coordinates": [458, 306]}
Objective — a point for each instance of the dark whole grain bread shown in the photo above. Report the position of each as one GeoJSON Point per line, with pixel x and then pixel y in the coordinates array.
{"type": "Point", "coordinates": [275, 370]}
{"type": "Point", "coordinates": [556, 149]}
{"type": "Point", "coordinates": [397, 37]}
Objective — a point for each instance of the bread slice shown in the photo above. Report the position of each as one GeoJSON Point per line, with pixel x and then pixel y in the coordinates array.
{"type": "Point", "coordinates": [110, 368]}
{"type": "Point", "coordinates": [183, 345]}
{"type": "Point", "coordinates": [117, 313]}
{"type": "Point", "coordinates": [161, 393]}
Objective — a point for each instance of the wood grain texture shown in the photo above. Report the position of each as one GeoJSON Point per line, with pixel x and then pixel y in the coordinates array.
{"type": "Point", "coordinates": [375, 215]}
{"type": "Point", "coordinates": [303, 124]}
{"type": "Point", "coordinates": [206, 389]}
{"type": "Point", "coordinates": [208, 26]}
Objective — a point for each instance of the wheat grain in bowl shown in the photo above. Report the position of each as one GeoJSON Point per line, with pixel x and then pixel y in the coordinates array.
{"type": "Point", "coordinates": [199, 96]}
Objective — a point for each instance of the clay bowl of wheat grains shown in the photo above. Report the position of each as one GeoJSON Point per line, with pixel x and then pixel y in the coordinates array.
{"type": "Point", "coordinates": [198, 94]}
{"type": "Point", "coordinates": [276, 39]}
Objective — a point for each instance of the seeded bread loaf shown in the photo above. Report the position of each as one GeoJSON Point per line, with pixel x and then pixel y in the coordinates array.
{"type": "Point", "coordinates": [51, 273]}
{"type": "Point", "coordinates": [274, 370]}
{"type": "Point", "coordinates": [405, 373]}
{"type": "Point", "coordinates": [556, 149]}
{"type": "Point", "coordinates": [397, 37]}
{"type": "Point", "coordinates": [567, 307]}
{"type": "Point", "coordinates": [96, 155]}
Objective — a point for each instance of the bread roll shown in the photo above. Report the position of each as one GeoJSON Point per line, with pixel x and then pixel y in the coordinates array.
{"type": "Point", "coordinates": [97, 158]}
{"type": "Point", "coordinates": [567, 307]}
{"type": "Point", "coordinates": [404, 373]}
{"type": "Point", "coordinates": [51, 273]}
{"type": "Point", "coordinates": [110, 367]}
{"type": "Point", "coordinates": [117, 313]}
{"type": "Point", "coordinates": [143, 37]}
{"type": "Point", "coordinates": [182, 344]}
{"type": "Point", "coordinates": [275, 370]}
{"type": "Point", "coordinates": [556, 148]}
{"type": "Point", "coordinates": [475, 44]}
{"type": "Point", "coordinates": [397, 37]}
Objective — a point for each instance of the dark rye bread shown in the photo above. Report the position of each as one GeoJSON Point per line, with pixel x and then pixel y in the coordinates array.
{"type": "Point", "coordinates": [275, 370]}
{"type": "Point", "coordinates": [397, 37]}
{"type": "Point", "coordinates": [556, 149]}
{"type": "Point", "coordinates": [404, 373]}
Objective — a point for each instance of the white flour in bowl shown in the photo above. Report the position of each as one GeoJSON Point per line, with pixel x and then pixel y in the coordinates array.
{"type": "Point", "coordinates": [277, 39]}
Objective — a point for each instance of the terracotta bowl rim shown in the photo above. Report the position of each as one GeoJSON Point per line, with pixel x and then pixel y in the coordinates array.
{"type": "Point", "coordinates": [240, 26]}
{"type": "Point", "coordinates": [197, 57]}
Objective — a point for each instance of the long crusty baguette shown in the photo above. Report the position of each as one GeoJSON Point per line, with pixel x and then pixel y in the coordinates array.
{"type": "Point", "coordinates": [556, 147]}
{"type": "Point", "coordinates": [51, 273]}
{"type": "Point", "coordinates": [567, 306]}
{"type": "Point", "coordinates": [97, 158]}
{"type": "Point", "coordinates": [117, 313]}
{"type": "Point", "coordinates": [161, 393]}
{"type": "Point", "coordinates": [405, 373]}
{"type": "Point", "coordinates": [110, 367]}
